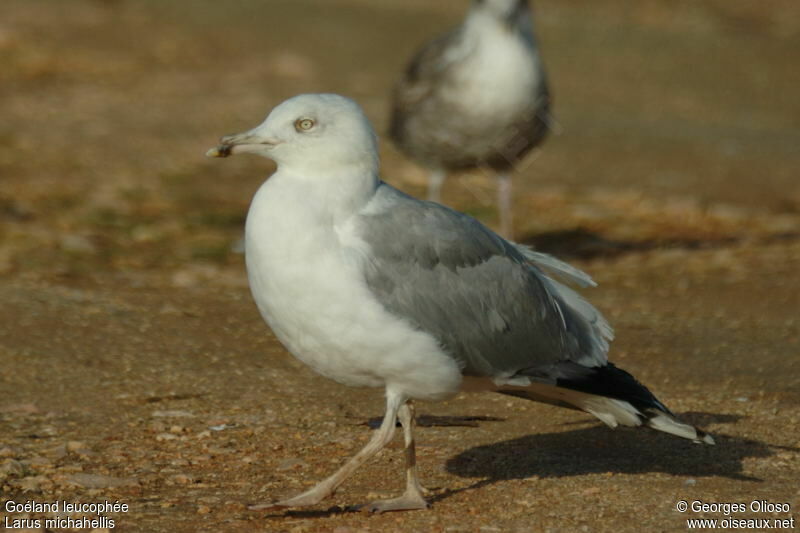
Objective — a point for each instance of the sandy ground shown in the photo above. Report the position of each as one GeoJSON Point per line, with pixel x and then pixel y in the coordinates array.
{"type": "Point", "coordinates": [135, 368]}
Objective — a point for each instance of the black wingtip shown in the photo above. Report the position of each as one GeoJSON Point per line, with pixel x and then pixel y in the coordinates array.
{"type": "Point", "coordinates": [611, 382]}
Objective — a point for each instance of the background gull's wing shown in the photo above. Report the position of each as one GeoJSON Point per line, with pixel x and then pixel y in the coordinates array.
{"type": "Point", "coordinates": [426, 68]}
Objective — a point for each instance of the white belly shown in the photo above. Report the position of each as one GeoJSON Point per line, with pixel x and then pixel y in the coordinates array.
{"type": "Point", "coordinates": [501, 77]}
{"type": "Point", "coordinates": [310, 291]}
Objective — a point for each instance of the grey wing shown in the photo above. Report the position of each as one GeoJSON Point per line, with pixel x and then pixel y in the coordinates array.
{"type": "Point", "coordinates": [427, 66]}
{"type": "Point", "coordinates": [491, 307]}
{"type": "Point", "coordinates": [422, 77]}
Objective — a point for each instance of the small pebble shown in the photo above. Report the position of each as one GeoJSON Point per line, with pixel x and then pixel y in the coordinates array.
{"type": "Point", "coordinates": [182, 479]}
{"type": "Point", "coordinates": [75, 445]}
{"type": "Point", "coordinates": [291, 464]}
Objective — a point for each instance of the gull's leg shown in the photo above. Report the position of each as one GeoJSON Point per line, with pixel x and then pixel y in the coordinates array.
{"type": "Point", "coordinates": [412, 498]}
{"type": "Point", "coordinates": [327, 487]}
{"type": "Point", "coordinates": [435, 181]}
{"type": "Point", "coordinates": [407, 417]}
{"type": "Point", "coordinates": [504, 205]}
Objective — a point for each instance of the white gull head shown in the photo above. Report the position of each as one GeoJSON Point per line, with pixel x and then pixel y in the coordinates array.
{"type": "Point", "coordinates": [308, 131]}
{"type": "Point", "coordinates": [498, 8]}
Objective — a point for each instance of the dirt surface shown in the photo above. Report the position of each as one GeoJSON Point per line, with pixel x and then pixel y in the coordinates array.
{"type": "Point", "coordinates": [135, 366]}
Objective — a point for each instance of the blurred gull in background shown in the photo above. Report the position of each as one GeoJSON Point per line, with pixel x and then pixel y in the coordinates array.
{"type": "Point", "coordinates": [475, 97]}
{"type": "Point", "coordinates": [371, 287]}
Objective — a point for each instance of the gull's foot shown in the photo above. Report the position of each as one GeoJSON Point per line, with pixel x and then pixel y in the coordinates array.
{"type": "Point", "coordinates": [265, 506]}
{"type": "Point", "coordinates": [311, 497]}
{"type": "Point", "coordinates": [406, 502]}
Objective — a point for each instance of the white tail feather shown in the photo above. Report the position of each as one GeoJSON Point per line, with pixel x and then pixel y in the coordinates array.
{"type": "Point", "coordinates": [668, 424]}
{"type": "Point", "coordinates": [601, 329]}
{"type": "Point", "coordinates": [557, 267]}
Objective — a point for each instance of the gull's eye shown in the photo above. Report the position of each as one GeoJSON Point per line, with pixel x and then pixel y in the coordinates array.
{"type": "Point", "coordinates": [303, 124]}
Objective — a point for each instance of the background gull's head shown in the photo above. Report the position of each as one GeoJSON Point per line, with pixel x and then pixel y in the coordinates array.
{"type": "Point", "coordinates": [500, 9]}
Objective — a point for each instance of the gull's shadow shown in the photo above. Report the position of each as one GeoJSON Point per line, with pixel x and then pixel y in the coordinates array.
{"type": "Point", "coordinates": [588, 450]}
{"type": "Point", "coordinates": [314, 513]}
{"type": "Point", "coordinates": [581, 243]}
{"type": "Point", "coordinates": [598, 449]}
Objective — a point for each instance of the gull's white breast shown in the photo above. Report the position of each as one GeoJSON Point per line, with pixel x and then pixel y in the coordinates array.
{"type": "Point", "coordinates": [500, 73]}
{"type": "Point", "coordinates": [306, 278]}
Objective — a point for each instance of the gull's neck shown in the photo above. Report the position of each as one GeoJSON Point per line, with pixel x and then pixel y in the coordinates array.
{"type": "Point", "coordinates": [335, 193]}
{"type": "Point", "coordinates": [482, 25]}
